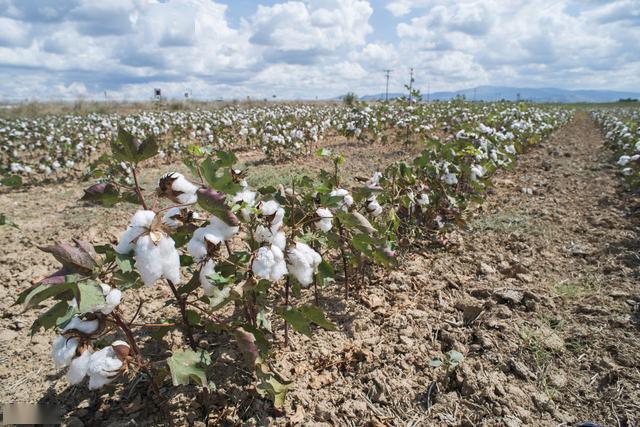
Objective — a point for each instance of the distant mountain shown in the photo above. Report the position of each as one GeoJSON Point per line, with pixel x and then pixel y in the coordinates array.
{"type": "Point", "coordinates": [493, 93]}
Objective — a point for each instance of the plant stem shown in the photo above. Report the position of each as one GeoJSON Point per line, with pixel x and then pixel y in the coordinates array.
{"type": "Point", "coordinates": [286, 307]}
{"type": "Point", "coordinates": [183, 312]}
{"type": "Point", "coordinates": [345, 265]}
{"type": "Point", "coordinates": [139, 359]}
{"type": "Point", "coordinates": [138, 191]}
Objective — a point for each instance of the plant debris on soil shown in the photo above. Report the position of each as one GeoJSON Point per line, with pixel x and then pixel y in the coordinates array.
{"type": "Point", "coordinates": [529, 315]}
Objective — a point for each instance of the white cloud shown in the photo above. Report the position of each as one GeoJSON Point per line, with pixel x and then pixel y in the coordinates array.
{"type": "Point", "coordinates": [308, 48]}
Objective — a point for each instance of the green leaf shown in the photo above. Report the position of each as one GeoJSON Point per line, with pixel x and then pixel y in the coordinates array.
{"type": "Point", "coordinates": [434, 363]}
{"type": "Point", "coordinates": [193, 317]}
{"type": "Point", "coordinates": [124, 262]}
{"type": "Point", "coordinates": [298, 321]}
{"type": "Point", "coordinates": [455, 357]}
{"type": "Point", "coordinates": [325, 272]}
{"type": "Point", "coordinates": [89, 296]}
{"type": "Point", "coordinates": [147, 149]}
{"type": "Point", "coordinates": [315, 315]}
{"type": "Point", "coordinates": [226, 159]}
{"type": "Point", "coordinates": [59, 314]}
{"type": "Point", "coordinates": [186, 365]}
{"type": "Point", "coordinates": [38, 293]}
{"type": "Point", "coordinates": [271, 385]}
{"type": "Point", "coordinates": [5, 221]}
{"type": "Point", "coordinates": [12, 181]}
{"type": "Point", "coordinates": [123, 146]}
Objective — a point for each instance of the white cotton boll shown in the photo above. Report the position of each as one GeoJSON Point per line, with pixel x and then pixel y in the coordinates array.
{"type": "Point", "coordinates": [79, 367]}
{"type": "Point", "coordinates": [112, 300]}
{"type": "Point", "coordinates": [216, 232]}
{"type": "Point", "coordinates": [325, 222]}
{"type": "Point", "coordinates": [156, 261]}
{"type": "Point", "coordinates": [63, 350]}
{"type": "Point", "coordinates": [269, 207]}
{"type": "Point", "coordinates": [271, 235]}
{"type": "Point", "coordinates": [183, 190]}
{"type": "Point", "coordinates": [205, 271]}
{"type": "Point", "coordinates": [347, 199]}
{"type": "Point", "coordinates": [168, 218]}
{"type": "Point", "coordinates": [623, 160]}
{"type": "Point", "coordinates": [83, 326]}
{"type": "Point", "coordinates": [510, 149]}
{"type": "Point", "coordinates": [423, 200]}
{"type": "Point", "coordinates": [373, 207]}
{"type": "Point", "coordinates": [104, 365]}
{"type": "Point", "coordinates": [450, 179]}
{"type": "Point", "coordinates": [248, 198]}
{"type": "Point", "coordinates": [139, 225]}
{"type": "Point", "coordinates": [638, 146]}
{"type": "Point", "coordinates": [302, 262]}
{"type": "Point", "coordinates": [477, 171]}
{"type": "Point", "coordinates": [269, 263]}
{"type": "Point", "coordinates": [627, 171]}
{"type": "Point", "coordinates": [374, 181]}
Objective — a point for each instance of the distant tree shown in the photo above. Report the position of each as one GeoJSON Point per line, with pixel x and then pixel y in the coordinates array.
{"type": "Point", "coordinates": [627, 100]}
{"type": "Point", "coordinates": [350, 99]}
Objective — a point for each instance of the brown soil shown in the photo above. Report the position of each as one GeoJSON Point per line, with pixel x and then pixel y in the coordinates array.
{"type": "Point", "coordinates": [539, 293]}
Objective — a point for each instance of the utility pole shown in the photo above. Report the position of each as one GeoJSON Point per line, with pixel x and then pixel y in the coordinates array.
{"type": "Point", "coordinates": [410, 84]}
{"type": "Point", "coordinates": [386, 93]}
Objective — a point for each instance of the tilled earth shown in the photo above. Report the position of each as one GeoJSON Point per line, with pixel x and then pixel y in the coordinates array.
{"type": "Point", "coordinates": [539, 293]}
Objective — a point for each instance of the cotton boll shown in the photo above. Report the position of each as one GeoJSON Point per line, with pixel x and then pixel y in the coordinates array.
{"type": "Point", "coordinates": [374, 181]}
{"type": "Point", "coordinates": [423, 200]}
{"type": "Point", "coordinates": [450, 179]}
{"type": "Point", "coordinates": [138, 225]}
{"type": "Point", "coordinates": [271, 235]}
{"type": "Point", "coordinates": [347, 199]}
{"type": "Point", "coordinates": [155, 261]}
{"type": "Point", "coordinates": [63, 350]}
{"type": "Point", "coordinates": [373, 207]}
{"type": "Point", "coordinates": [83, 326]}
{"type": "Point", "coordinates": [169, 218]}
{"type": "Point", "coordinates": [79, 367]}
{"type": "Point", "coordinates": [247, 198]}
{"type": "Point", "coordinates": [623, 160]}
{"type": "Point", "coordinates": [177, 188]}
{"type": "Point", "coordinates": [477, 171]}
{"type": "Point", "coordinates": [325, 222]}
{"type": "Point", "coordinates": [206, 270]}
{"type": "Point", "coordinates": [214, 233]}
{"type": "Point", "coordinates": [112, 299]}
{"type": "Point", "coordinates": [269, 263]}
{"type": "Point", "coordinates": [103, 367]}
{"type": "Point", "coordinates": [269, 207]}
{"type": "Point", "coordinates": [303, 262]}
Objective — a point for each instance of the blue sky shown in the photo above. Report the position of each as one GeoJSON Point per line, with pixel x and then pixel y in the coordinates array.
{"type": "Point", "coordinates": [66, 49]}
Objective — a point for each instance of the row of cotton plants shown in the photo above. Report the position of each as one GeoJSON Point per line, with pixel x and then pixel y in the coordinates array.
{"type": "Point", "coordinates": [262, 256]}
{"type": "Point", "coordinates": [622, 133]}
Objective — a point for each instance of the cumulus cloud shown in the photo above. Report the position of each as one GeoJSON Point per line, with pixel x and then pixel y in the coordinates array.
{"type": "Point", "coordinates": [309, 48]}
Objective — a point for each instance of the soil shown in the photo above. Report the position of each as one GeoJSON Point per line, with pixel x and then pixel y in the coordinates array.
{"type": "Point", "coordinates": [538, 293]}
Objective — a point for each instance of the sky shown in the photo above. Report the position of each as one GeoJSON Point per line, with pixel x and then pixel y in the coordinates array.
{"type": "Point", "coordinates": [303, 49]}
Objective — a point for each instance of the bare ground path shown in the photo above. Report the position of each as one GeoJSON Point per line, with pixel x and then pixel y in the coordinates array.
{"type": "Point", "coordinates": [540, 294]}
{"type": "Point", "coordinates": [555, 277]}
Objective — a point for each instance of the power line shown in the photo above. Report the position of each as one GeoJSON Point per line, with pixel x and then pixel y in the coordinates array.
{"type": "Point", "coordinates": [386, 93]}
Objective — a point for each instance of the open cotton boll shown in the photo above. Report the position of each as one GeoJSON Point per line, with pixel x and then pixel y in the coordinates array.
{"type": "Point", "coordinates": [623, 160]}
{"type": "Point", "coordinates": [103, 367]}
{"type": "Point", "coordinates": [63, 350]}
{"type": "Point", "coordinates": [169, 218]}
{"type": "Point", "coordinates": [206, 270]}
{"type": "Point", "coordinates": [477, 171]}
{"type": "Point", "coordinates": [83, 326]}
{"type": "Point", "coordinates": [271, 235]}
{"type": "Point", "coordinates": [217, 231]}
{"type": "Point", "coordinates": [248, 198]}
{"type": "Point", "coordinates": [269, 207]}
{"type": "Point", "coordinates": [450, 178]}
{"type": "Point", "coordinates": [373, 207]}
{"type": "Point", "coordinates": [269, 263]}
{"type": "Point", "coordinates": [347, 199]}
{"type": "Point", "coordinates": [177, 188]}
{"type": "Point", "coordinates": [79, 367]}
{"type": "Point", "coordinates": [139, 225]}
{"type": "Point", "coordinates": [325, 222]}
{"type": "Point", "coordinates": [423, 200]}
{"type": "Point", "coordinates": [374, 181]}
{"type": "Point", "coordinates": [302, 262]}
{"type": "Point", "coordinates": [154, 261]}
